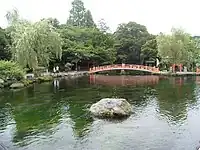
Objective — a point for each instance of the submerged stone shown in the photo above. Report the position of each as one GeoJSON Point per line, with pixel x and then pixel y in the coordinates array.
{"type": "Point", "coordinates": [111, 108]}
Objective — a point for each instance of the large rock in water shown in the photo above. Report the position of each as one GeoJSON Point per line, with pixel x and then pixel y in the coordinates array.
{"type": "Point", "coordinates": [111, 108]}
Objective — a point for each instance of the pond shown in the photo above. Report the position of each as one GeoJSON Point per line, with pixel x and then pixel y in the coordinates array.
{"type": "Point", "coordinates": [49, 116]}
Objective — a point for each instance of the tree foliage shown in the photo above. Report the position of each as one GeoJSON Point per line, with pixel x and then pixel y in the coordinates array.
{"type": "Point", "coordinates": [10, 70]}
{"type": "Point", "coordinates": [103, 26]}
{"type": "Point", "coordinates": [12, 16]}
{"type": "Point", "coordinates": [130, 38]}
{"type": "Point", "coordinates": [79, 16]}
{"type": "Point", "coordinates": [149, 51]}
{"type": "Point", "coordinates": [87, 44]}
{"type": "Point", "coordinates": [53, 21]}
{"type": "Point", "coordinates": [34, 44]}
{"type": "Point", "coordinates": [80, 41]}
{"type": "Point", "coordinates": [177, 47]}
{"type": "Point", "coordinates": [4, 43]}
{"type": "Point", "coordinates": [89, 22]}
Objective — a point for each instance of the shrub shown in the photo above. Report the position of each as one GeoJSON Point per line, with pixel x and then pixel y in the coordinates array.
{"type": "Point", "coordinates": [11, 70]}
{"type": "Point", "coordinates": [45, 79]}
{"type": "Point", "coordinates": [27, 82]}
{"type": "Point", "coordinates": [39, 70]}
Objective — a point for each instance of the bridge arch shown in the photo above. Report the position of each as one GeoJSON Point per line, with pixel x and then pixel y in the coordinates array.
{"type": "Point", "coordinates": [124, 67]}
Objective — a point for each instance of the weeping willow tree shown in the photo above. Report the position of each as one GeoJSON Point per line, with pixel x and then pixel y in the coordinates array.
{"type": "Point", "coordinates": [177, 48]}
{"type": "Point", "coordinates": [33, 43]}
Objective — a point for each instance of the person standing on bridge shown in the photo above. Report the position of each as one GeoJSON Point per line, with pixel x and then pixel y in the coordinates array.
{"type": "Point", "coordinates": [122, 71]}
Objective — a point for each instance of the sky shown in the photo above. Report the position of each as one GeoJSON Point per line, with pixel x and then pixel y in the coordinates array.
{"type": "Point", "coordinates": [157, 15]}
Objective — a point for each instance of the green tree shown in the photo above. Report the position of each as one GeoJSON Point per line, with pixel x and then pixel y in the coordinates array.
{"type": "Point", "coordinates": [103, 26]}
{"type": "Point", "coordinates": [89, 22]}
{"type": "Point", "coordinates": [4, 46]}
{"type": "Point", "coordinates": [197, 51]}
{"type": "Point", "coordinates": [11, 70]}
{"type": "Point", "coordinates": [149, 50]}
{"type": "Point", "coordinates": [77, 14]}
{"type": "Point", "coordinates": [87, 45]}
{"type": "Point", "coordinates": [177, 48]}
{"type": "Point", "coordinates": [130, 38]}
{"type": "Point", "coordinates": [12, 16]}
{"type": "Point", "coordinates": [53, 21]}
{"type": "Point", "coordinates": [34, 44]}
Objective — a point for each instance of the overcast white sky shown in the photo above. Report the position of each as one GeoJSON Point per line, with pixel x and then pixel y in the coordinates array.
{"type": "Point", "coordinates": [156, 15]}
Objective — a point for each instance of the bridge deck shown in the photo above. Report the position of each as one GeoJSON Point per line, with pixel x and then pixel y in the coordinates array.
{"type": "Point", "coordinates": [124, 67]}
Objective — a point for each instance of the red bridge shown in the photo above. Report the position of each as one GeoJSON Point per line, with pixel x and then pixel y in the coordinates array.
{"type": "Point", "coordinates": [124, 67]}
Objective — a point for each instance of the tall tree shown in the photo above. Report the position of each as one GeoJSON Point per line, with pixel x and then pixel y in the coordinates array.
{"type": "Point", "coordinates": [77, 14]}
{"type": "Point", "coordinates": [149, 50]}
{"type": "Point", "coordinates": [12, 16]}
{"type": "Point", "coordinates": [130, 38]}
{"type": "Point", "coordinates": [87, 44]}
{"type": "Point", "coordinates": [177, 47]}
{"type": "Point", "coordinates": [34, 44]}
{"type": "Point", "coordinates": [89, 22]}
{"type": "Point", "coordinates": [53, 21]}
{"type": "Point", "coordinates": [196, 42]}
{"type": "Point", "coordinates": [103, 26]}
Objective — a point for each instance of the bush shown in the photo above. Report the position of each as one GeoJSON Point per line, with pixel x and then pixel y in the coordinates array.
{"type": "Point", "coordinates": [39, 70]}
{"type": "Point", "coordinates": [45, 79]}
{"type": "Point", "coordinates": [11, 70]}
{"type": "Point", "coordinates": [27, 82]}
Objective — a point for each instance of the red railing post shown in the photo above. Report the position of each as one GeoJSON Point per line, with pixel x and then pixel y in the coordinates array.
{"type": "Point", "coordinates": [180, 67]}
{"type": "Point", "coordinates": [126, 66]}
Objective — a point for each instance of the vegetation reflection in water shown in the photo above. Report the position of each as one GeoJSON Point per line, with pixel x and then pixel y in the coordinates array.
{"type": "Point", "coordinates": [48, 117]}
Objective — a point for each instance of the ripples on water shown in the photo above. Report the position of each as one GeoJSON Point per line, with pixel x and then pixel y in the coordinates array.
{"type": "Point", "coordinates": [43, 117]}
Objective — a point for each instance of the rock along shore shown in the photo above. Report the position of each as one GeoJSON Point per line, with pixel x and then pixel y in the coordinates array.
{"type": "Point", "coordinates": [45, 77]}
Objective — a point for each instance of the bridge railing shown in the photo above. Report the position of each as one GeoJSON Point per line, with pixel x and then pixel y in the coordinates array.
{"type": "Point", "coordinates": [123, 66]}
{"type": "Point", "coordinates": [198, 70]}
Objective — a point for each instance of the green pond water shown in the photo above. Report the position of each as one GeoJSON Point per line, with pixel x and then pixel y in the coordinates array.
{"type": "Point", "coordinates": [166, 114]}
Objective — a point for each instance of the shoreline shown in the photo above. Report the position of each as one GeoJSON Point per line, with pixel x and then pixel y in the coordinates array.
{"type": "Point", "coordinates": [29, 79]}
{"type": "Point", "coordinates": [154, 73]}
{"type": "Point", "coordinates": [48, 77]}
{"type": "Point", "coordinates": [177, 73]}
{"type": "Point", "coordinates": [65, 74]}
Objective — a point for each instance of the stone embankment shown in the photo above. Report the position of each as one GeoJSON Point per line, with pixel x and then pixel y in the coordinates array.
{"type": "Point", "coordinates": [177, 73]}
{"type": "Point", "coordinates": [66, 74]}
{"type": "Point", "coordinates": [45, 77]}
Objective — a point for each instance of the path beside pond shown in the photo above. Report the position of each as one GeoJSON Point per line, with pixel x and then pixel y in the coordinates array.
{"type": "Point", "coordinates": [60, 74]}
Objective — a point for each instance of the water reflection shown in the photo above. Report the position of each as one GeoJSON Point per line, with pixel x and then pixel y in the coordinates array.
{"type": "Point", "coordinates": [174, 96]}
{"type": "Point", "coordinates": [56, 113]}
{"type": "Point", "coordinates": [56, 83]}
{"type": "Point", "coordinates": [123, 80]}
{"type": "Point", "coordinates": [5, 116]}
